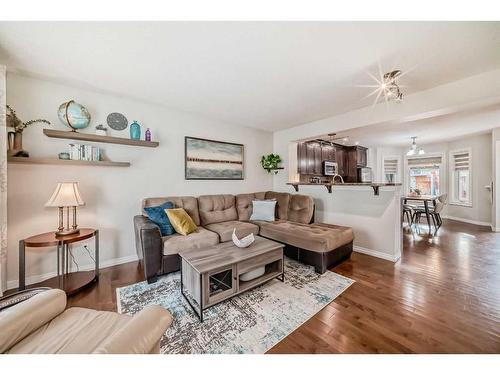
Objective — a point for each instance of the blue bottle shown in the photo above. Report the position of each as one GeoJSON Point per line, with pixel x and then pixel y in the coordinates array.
{"type": "Point", "coordinates": [135, 130]}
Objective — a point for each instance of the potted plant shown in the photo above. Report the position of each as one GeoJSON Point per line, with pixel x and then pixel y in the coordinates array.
{"type": "Point", "coordinates": [16, 137]}
{"type": "Point", "coordinates": [271, 163]}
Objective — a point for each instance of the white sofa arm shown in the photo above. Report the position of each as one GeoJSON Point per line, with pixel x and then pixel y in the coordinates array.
{"type": "Point", "coordinates": [140, 335]}
{"type": "Point", "coordinates": [20, 320]}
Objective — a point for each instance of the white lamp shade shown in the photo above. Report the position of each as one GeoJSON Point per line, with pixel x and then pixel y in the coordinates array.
{"type": "Point", "coordinates": [66, 194]}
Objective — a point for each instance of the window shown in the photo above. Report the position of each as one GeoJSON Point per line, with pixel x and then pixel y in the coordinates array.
{"type": "Point", "coordinates": [390, 169]}
{"type": "Point", "coordinates": [424, 175]}
{"type": "Point", "coordinates": [461, 182]}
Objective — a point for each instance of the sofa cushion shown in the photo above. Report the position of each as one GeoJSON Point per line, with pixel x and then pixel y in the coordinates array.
{"type": "Point", "coordinates": [283, 200]}
{"type": "Point", "coordinates": [217, 208]}
{"type": "Point", "coordinates": [244, 204]}
{"type": "Point", "coordinates": [263, 210]}
{"type": "Point", "coordinates": [225, 229]}
{"type": "Point", "coordinates": [158, 216]}
{"type": "Point", "coordinates": [201, 237]}
{"type": "Point", "coordinates": [76, 330]}
{"type": "Point", "coordinates": [313, 237]}
{"type": "Point", "coordinates": [190, 205]}
{"type": "Point", "coordinates": [300, 208]}
{"type": "Point", "coordinates": [181, 221]}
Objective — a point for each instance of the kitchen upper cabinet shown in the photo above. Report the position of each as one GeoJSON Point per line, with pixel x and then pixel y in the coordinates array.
{"type": "Point", "coordinates": [318, 162]}
{"type": "Point", "coordinates": [340, 158]}
{"type": "Point", "coordinates": [302, 158]}
{"type": "Point", "coordinates": [327, 153]}
{"type": "Point", "coordinates": [310, 157]}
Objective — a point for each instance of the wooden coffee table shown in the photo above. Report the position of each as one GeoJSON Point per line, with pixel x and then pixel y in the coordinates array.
{"type": "Point", "coordinates": [212, 275]}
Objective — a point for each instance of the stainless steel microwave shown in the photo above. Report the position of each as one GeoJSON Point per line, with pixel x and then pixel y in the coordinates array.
{"type": "Point", "coordinates": [330, 168]}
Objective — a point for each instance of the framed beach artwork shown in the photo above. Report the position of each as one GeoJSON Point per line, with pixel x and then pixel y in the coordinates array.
{"type": "Point", "coordinates": [213, 160]}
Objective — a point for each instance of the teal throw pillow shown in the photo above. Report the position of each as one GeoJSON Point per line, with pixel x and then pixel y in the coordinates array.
{"type": "Point", "coordinates": [158, 216]}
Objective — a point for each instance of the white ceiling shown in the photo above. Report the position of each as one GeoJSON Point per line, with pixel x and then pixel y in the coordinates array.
{"type": "Point", "coordinates": [269, 75]}
{"type": "Point", "coordinates": [438, 129]}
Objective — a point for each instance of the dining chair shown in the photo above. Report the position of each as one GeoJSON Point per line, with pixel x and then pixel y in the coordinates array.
{"type": "Point", "coordinates": [435, 212]}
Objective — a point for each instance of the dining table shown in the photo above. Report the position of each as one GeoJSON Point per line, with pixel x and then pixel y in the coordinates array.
{"type": "Point", "coordinates": [425, 199]}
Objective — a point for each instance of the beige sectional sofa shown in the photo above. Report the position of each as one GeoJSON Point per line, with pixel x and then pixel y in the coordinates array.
{"type": "Point", "coordinates": [317, 244]}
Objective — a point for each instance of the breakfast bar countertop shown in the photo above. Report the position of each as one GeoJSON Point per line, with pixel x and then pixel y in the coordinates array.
{"type": "Point", "coordinates": [328, 185]}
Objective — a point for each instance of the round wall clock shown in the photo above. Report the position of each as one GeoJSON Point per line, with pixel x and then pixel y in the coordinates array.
{"type": "Point", "coordinates": [117, 121]}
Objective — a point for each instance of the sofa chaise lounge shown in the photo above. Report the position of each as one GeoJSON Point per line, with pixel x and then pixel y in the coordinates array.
{"type": "Point", "coordinates": [320, 245]}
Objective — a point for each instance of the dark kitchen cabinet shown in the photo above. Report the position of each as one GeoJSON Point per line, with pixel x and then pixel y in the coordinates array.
{"type": "Point", "coordinates": [356, 157]}
{"type": "Point", "coordinates": [302, 158]}
{"type": "Point", "coordinates": [340, 158]}
{"type": "Point", "coordinates": [327, 153]}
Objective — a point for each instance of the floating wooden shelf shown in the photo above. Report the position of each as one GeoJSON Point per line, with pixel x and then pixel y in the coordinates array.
{"type": "Point", "coordinates": [97, 138]}
{"type": "Point", "coordinates": [102, 163]}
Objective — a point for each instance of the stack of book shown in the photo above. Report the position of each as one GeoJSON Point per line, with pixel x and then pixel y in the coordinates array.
{"type": "Point", "coordinates": [79, 151]}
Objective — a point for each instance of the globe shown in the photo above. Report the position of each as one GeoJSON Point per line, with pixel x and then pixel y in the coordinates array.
{"type": "Point", "coordinates": [73, 115]}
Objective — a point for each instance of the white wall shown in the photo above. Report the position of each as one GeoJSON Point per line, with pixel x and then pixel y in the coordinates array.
{"type": "Point", "coordinates": [112, 194]}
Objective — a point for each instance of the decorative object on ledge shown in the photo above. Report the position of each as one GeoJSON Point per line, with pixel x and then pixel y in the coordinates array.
{"type": "Point", "coordinates": [206, 159]}
{"type": "Point", "coordinates": [101, 130]}
{"type": "Point", "coordinates": [135, 130]}
{"type": "Point", "coordinates": [98, 138]}
{"type": "Point", "coordinates": [73, 115]}
{"type": "Point", "coordinates": [147, 135]}
{"type": "Point", "coordinates": [117, 121]}
{"type": "Point", "coordinates": [15, 138]}
{"type": "Point", "coordinates": [244, 242]}
{"type": "Point", "coordinates": [66, 195]}
{"type": "Point", "coordinates": [101, 163]}
{"type": "Point", "coordinates": [271, 163]}
{"type": "Point", "coordinates": [328, 186]}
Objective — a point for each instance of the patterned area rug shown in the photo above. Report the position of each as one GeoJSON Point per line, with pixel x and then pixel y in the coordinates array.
{"type": "Point", "coordinates": [252, 322]}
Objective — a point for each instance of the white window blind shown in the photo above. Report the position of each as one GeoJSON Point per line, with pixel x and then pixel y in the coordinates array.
{"type": "Point", "coordinates": [424, 161]}
{"type": "Point", "coordinates": [461, 160]}
{"type": "Point", "coordinates": [390, 166]}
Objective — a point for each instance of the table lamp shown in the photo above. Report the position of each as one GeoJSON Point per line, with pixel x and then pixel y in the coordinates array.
{"type": "Point", "coordinates": [66, 195]}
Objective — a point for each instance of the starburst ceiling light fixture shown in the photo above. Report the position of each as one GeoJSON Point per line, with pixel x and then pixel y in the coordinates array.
{"type": "Point", "coordinates": [390, 88]}
{"type": "Point", "coordinates": [414, 150]}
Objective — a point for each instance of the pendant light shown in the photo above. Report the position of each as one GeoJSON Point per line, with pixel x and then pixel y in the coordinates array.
{"type": "Point", "coordinates": [414, 150]}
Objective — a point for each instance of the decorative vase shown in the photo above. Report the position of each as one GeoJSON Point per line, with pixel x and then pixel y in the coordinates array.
{"type": "Point", "coordinates": [16, 145]}
{"type": "Point", "coordinates": [135, 130]}
{"type": "Point", "coordinates": [148, 135]}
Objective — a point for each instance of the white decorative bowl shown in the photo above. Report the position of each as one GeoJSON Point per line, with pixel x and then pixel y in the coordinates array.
{"type": "Point", "coordinates": [245, 241]}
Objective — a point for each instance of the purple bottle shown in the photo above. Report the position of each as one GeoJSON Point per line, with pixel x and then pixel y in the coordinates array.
{"type": "Point", "coordinates": [148, 135]}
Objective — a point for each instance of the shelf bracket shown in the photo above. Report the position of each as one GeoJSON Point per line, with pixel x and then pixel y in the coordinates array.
{"type": "Point", "coordinates": [375, 189]}
{"type": "Point", "coordinates": [329, 188]}
{"type": "Point", "coordinates": [296, 187]}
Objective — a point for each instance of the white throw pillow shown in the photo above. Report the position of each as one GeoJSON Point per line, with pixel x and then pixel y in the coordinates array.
{"type": "Point", "coordinates": [263, 210]}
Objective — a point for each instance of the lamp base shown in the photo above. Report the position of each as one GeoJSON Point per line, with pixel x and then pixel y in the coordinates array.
{"type": "Point", "coordinates": [67, 232]}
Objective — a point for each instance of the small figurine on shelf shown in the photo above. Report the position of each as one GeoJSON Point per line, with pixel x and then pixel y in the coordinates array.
{"type": "Point", "coordinates": [101, 130]}
{"type": "Point", "coordinates": [147, 136]}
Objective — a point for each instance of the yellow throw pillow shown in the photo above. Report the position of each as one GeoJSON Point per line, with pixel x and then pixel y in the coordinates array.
{"type": "Point", "coordinates": [181, 221]}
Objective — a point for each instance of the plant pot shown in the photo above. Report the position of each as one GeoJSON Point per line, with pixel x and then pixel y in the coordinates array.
{"type": "Point", "coordinates": [16, 145]}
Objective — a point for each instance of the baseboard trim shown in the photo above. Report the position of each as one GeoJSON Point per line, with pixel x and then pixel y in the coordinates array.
{"type": "Point", "coordinates": [481, 223]}
{"type": "Point", "coordinates": [11, 284]}
{"type": "Point", "coordinates": [376, 253]}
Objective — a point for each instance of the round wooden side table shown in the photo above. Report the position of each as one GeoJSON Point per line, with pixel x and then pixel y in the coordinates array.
{"type": "Point", "coordinates": [70, 282]}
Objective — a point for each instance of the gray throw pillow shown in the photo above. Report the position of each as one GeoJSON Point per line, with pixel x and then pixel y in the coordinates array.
{"type": "Point", "coordinates": [263, 210]}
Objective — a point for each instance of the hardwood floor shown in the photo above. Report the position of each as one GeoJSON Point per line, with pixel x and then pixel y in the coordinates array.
{"type": "Point", "coordinates": [443, 296]}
